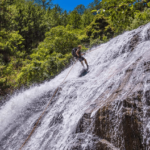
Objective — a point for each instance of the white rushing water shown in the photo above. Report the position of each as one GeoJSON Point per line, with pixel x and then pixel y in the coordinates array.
{"type": "Point", "coordinates": [107, 66]}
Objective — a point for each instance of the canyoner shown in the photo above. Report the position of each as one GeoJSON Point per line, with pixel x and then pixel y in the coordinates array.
{"type": "Point", "coordinates": [76, 52]}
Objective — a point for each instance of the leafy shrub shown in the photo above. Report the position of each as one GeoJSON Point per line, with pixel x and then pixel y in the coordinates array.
{"type": "Point", "coordinates": [95, 42]}
{"type": "Point", "coordinates": [10, 44]}
{"type": "Point", "coordinates": [140, 18]}
{"type": "Point", "coordinates": [50, 57]}
{"type": "Point", "coordinates": [99, 27]}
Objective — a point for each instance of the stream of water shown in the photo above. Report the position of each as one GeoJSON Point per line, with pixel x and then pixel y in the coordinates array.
{"type": "Point", "coordinates": [107, 66]}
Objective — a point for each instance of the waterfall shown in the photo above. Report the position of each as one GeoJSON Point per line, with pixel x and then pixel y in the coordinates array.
{"type": "Point", "coordinates": [117, 70]}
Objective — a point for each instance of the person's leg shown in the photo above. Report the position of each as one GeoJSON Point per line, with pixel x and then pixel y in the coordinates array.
{"type": "Point", "coordinates": [82, 63]}
{"type": "Point", "coordinates": [81, 60]}
{"type": "Point", "coordinates": [86, 63]}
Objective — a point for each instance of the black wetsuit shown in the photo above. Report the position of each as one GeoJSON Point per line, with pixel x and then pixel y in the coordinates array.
{"type": "Point", "coordinates": [80, 58]}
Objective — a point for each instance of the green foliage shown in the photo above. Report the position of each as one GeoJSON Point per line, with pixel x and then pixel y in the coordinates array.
{"type": "Point", "coordinates": [140, 18]}
{"type": "Point", "coordinates": [28, 19]}
{"type": "Point", "coordinates": [10, 44]}
{"type": "Point", "coordinates": [80, 9]}
{"type": "Point", "coordinates": [36, 37]}
{"type": "Point", "coordinates": [52, 55]}
{"type": "Point", "coordinates": [55, 17]}
{"type": "Point", "coordinates": [95, 5]}
{"type": "Point", "coordinates": [61, 39]}
{"type": "Point", "coordinates": [99, 27]}
{"type": "Point", "coordinates": [14, 42]}
{"type": "Point", "coordinates": [44, 3]}
{"type": "Point", "coordinates": [11, 53]}
{"type": "Point", "coordinates": [94, 11]}
{"type": "Point", "coordinates": [86, 18]}
{"type": "Point", "coordinates": [79, 33]}
{"type": "Point", "coordinates": [95, 42]}
{"type": "Point", "coordinates": [5, 14]}
{"type": "Point", "coordinates": [74, 19]}
{"type": "Point", "coordinates": [64, 18]}
{"type": "Point", "coordinates": [120, 12]}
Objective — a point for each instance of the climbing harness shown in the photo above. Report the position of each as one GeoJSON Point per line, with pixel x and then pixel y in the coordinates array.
{"type": "Point", "coordinates": [36, 124]}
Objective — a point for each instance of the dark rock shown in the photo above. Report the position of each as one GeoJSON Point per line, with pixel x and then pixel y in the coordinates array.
{"type": "Point", "coordinates": [122, 130]}
{"type": "Point", "coordinates": [147, 97]}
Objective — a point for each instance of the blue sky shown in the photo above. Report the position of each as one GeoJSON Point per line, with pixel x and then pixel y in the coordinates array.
{"type": "Point", "coordinates": [71, 4]}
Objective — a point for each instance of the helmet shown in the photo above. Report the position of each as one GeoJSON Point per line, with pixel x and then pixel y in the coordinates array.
{"type": "Point", "coordinates": [79, 46]}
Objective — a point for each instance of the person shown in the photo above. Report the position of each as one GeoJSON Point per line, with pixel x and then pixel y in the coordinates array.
{"type": "Point", "coordinates": [76, 52]}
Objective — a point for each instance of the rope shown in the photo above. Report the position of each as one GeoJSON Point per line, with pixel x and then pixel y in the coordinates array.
{"type": "Point", "coordinates": [44, 111]}
{"type": "Point", "coordinates": [48, 106]}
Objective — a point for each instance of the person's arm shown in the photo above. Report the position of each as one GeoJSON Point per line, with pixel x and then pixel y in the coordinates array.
{"type": "Point", "coordinates": [77, 52]}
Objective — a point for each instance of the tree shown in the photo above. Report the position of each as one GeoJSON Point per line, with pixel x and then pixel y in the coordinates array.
{"type": "Point", "coordinates": [86, 18]}
{"type": "Point", "coordinates": [119, 12]}
{"type": "Point", "coordinates": [28, 19]}
{"type": "Point", "coordinates": [80, 9]}
{"type": "Point", "coordinates": [64, 18]}
{"type": "Point", "coordinates": [44, 3]}
{"type": "Point", "coordinates": [9, 40]}
{"type": "Point", "coordinates": [5, 14]}
{"type": "Point", "coordinates": [53, 16]}
{"type": "Point", "coordinates": [95, 5]}
{"type": "Point", "coordinates": [75, 19]}
{"type": "Point", "coordinates": [51, 56]}
{"type": "Point", "coordinates": [99, 27]}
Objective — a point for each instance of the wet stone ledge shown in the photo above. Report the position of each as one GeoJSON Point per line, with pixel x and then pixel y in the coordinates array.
{"type": "Point", "coordinates": [116, 126]}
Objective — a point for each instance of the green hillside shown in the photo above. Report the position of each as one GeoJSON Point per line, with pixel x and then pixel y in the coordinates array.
{"type": "Point", "coordinates": [36, 37]}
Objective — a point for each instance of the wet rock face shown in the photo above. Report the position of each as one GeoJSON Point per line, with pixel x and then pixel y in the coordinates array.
{"type": "Point", "coordinates": [119, 119]}
{"type": "Point", "coordinates": [118, 125]}
{"type": "Point", "coordinates": [147, 96]}
{"type": "Point", "coordinates": [127, 123]}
